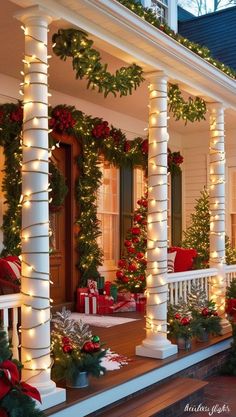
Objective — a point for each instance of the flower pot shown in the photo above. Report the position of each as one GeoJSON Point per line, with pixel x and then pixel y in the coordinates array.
{"type": "Point", "coordinates": [79, 380]}
{"type": "Point", "coordinates": [184, 344]}
{"type": "Point", "coordinates": [204, 337]}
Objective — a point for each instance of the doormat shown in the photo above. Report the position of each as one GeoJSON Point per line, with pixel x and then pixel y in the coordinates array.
{"type": "Point", "coordinates": [101, 321]}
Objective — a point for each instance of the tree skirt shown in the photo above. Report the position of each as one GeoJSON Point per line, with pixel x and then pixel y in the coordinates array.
{"type": "Point", "coordinates": [100, 321]}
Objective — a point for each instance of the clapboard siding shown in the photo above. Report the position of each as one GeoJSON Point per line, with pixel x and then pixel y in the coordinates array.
{"type": "Point", "coordinates": [195, 178]}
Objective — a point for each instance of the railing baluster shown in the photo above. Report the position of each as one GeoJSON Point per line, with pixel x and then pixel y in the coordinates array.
{"type": "Point", "coordinates": [5, 321]}
{"type": "Point", "coordinates": [15, 337]}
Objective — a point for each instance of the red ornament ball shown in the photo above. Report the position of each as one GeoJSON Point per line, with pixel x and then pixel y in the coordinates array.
{"type": "Point", "coordinates": [65, 340]}
{"type": "Point", "coordinates": [135, 231]}
{"type": "Point", "coordinates": [125, 279]}
{"type": "Point", "coordinates": [96, 346]}
{"type": "Point", "coordinates": [88, 347]}
{"type": "Point", "coordinates": [135, 239]}
{"type": "Point", "coordinates": [131, 250]}
{"type": "Point", "coordinates": [177, 316]}
{"type": "Point", "coordinates": [132, 267]}
{"type": "Point", "coordinates": [67, 348]}
{"type": "Point", "coordinates": [205, 312]}
{"type": "Point", "coordinates": [122, 263]}
{"type": "Point", "coordinates": [185, 321]}
{"type": "Point", "coordinates": [119, 274]}
{"type": "Point", "coordinates": [128, 243]}
{"type": "Point", "coordinates": [138, 218]}
{"type": "Point", "coordinates": [140, 255]}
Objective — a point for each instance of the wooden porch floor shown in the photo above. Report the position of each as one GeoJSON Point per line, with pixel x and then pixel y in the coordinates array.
{"type": "Point", "coordinates": [139, 374]}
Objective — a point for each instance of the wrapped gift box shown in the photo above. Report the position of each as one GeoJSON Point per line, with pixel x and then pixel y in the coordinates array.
{"type": "Point", "coordinates": [90, 304]}
{"type": "Point", "coordinates": [104, 304]}
{"type": "Point", "coordinates": [80, 305]}
{"type": "Point", "coordinates": [141, 303]}
{"type": "Point", "coordinates": [124, 306]}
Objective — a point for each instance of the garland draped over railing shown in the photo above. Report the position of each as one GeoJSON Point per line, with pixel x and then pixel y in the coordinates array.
{"type": "Point", "coordinates": [86, 63]}
{"type": "Point", "coordinates": [96, 137]}
{"type": "Point", "coordinates": [149, 16]}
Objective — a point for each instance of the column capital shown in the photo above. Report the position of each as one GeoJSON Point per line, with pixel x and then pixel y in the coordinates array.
{"type": "Point", "coordinates": [29, 13]}
{"type": "Point", "coordinates": [156, 76]}
{"type": "Point", "coordinates": [212, 107]}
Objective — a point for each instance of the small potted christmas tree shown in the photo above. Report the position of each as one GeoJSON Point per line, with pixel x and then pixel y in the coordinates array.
{"type": "Point", "coordinates": [230, 302]}
{"type": "Point", "coordinates": [77, 353]}
{"type": "Point", "coordinates": [206, 320]}
{"type": "Point", "coordinates": [180, 324]}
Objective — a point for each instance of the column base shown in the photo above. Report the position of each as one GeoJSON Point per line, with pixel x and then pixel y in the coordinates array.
{"type": "Point", "coordinates": [53, 398]}
{"type": "Point", "coordinates": [225, 326]}
{"type": "Point", "coordinates": [161, 352]}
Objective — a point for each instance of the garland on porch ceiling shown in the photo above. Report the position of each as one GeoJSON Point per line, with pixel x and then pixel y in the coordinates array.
{"type": "Point", "coordinates": [150, 17]}
{"type": "Point", "coordinates": [86, 62]}
{"type": "Point", "coordinates": [96, 137]}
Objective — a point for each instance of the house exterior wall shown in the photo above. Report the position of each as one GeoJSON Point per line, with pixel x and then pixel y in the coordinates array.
{"type": "Point", "coordinates": [131, 126]}
{"type": "Point", "coordinates": [196, 171]}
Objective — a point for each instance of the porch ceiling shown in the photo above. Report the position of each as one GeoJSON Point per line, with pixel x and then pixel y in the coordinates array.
{"type": "Point", "coordinates": [122, 38]}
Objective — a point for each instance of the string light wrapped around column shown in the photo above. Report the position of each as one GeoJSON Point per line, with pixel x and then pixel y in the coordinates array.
{"type": "Point", "coordinates": [156, 343]}
{"type": "Point", "coordinates": [217, 205]}
{"type": "Point", "coordinates": [35, 285]}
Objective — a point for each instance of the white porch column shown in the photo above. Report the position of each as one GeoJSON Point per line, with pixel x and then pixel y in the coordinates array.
{"type": "Point", "coordinates": [217, 208]}
{"type": "Point", "coordinates": [35, 289]}
{"type": "Point", "coordinates": [156, 343]}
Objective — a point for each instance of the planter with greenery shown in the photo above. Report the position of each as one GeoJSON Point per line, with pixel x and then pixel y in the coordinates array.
{"type": "Point", "coordinates": [74, 349]}
{"type": "Point", "coordinates": [230, 302]}
{"type": "Point", "coordinates": [180, 324]}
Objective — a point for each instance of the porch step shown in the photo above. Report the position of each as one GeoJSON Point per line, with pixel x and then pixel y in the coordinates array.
{"type": "Point", "coordinates": [167, 400]}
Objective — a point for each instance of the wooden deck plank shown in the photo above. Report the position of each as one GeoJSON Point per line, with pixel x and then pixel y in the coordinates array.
{"type": "Point", "coordinates": [123, 339]}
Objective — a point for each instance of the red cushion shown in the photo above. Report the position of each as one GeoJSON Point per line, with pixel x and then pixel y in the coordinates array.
{"type": "Point", "coordinates": [184, 258]}
{"type": "Point", "coordinates": [10, 268]}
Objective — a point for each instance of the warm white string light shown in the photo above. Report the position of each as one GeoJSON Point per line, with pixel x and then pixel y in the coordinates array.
{"type": "Point", "coordinates": [156, 343]}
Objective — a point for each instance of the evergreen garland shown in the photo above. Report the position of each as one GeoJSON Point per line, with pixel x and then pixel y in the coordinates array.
{"type": "Point", "coordinates": [197, 234]}
{"type": "Point", "coordinates": [87, 64]}
{"type": "Point", "coordinates": [96, 138]}
{"type": "Point", "coordinates": [149, 16]}
{"type": "Point", "coordinates": [15, 403]}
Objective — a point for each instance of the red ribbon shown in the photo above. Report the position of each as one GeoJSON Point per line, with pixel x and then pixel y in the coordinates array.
{"type": "Point", "coordinates": [10, 379]}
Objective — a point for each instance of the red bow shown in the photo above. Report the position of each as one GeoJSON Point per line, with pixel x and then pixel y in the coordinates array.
{"type": "Point", "coordinates": [11, 378]}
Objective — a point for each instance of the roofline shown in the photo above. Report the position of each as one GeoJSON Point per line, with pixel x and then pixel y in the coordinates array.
{"type": "Point", "coordinates": [140, 41]}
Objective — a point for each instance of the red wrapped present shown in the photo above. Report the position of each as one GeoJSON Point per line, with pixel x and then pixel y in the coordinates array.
{"type": "Point", "coordinates": [107, 287]}
{"type": "Point", "coordinates": [124, 296]}
{"type": "Point", "coordinates": [141, 303]}
{"type": "Point", "coordinates": [92, 286]}
{"type": "Point", "coordinates": [124, 306]}
{"type": "Point", "coordinates": [105, 304]}
{"type": "Point", "coordinates": [81, 293]}
{"type": "Point", "coordinates": [90, 304]}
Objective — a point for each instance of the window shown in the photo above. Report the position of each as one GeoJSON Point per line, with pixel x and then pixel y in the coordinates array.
{"type": "Point", "coordinates": [139, 186]}
{"type": "Point", "coordinates": [160, 8]}
{"type": "Point", "coordinates": [108, 213]}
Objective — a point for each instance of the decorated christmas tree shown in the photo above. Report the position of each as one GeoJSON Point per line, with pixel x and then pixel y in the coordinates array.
{"type": "Point", "coordinates": [197, 234]}
{"type": "Point", "coordinates": [132, 266]}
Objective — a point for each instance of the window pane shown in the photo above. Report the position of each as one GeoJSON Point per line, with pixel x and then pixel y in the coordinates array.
{"type": "Point", "coordinates": [108, 212]}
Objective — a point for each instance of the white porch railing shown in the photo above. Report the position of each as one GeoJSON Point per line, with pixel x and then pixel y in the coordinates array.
{"type": "Point", "coordinates": [9, 317]}
{"type": "Point", "coordinates": [180, 283]}
{"type": "Point", "coordinates": [230, 273]}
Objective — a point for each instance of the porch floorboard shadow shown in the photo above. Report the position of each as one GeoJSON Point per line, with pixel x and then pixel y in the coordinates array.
{"type": "Point", "coordinates": [140, 373]}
